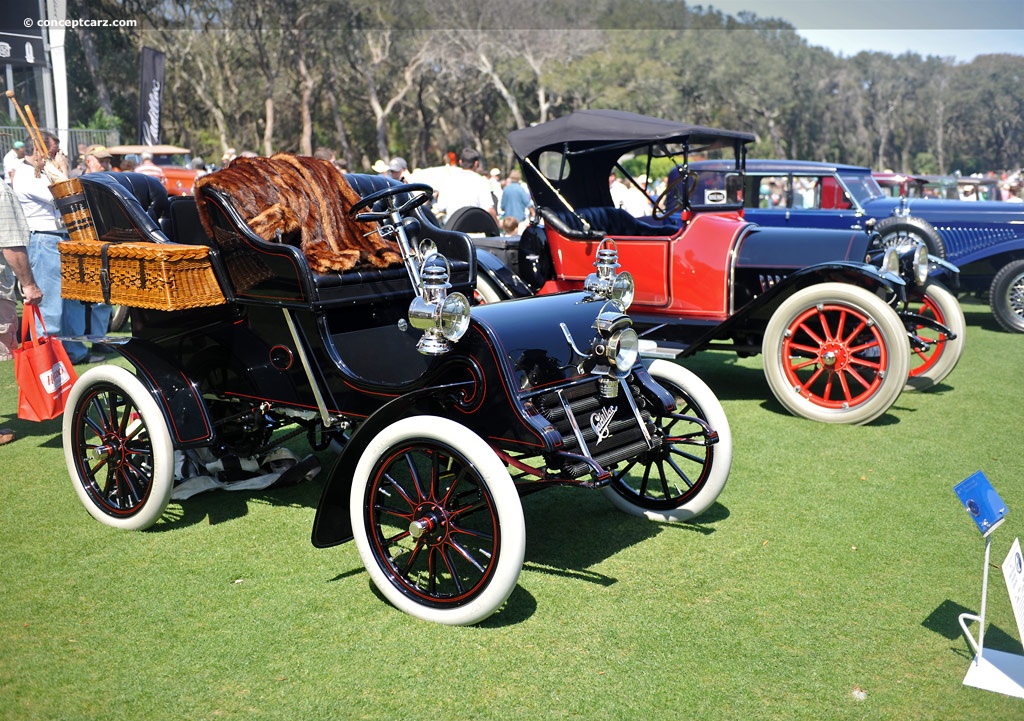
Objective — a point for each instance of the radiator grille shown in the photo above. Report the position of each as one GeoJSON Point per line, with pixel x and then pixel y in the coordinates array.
{"type": "Point", "coordinates": [621, 436]}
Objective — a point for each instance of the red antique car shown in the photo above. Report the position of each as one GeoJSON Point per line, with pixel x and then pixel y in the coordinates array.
{"type": "Point", "coordinates": [826, 308]}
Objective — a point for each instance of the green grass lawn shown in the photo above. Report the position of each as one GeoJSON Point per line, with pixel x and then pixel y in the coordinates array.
{"type": "Point", "coordinates": [824, 584]}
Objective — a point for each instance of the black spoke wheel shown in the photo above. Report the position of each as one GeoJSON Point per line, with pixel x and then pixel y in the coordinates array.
{"type": "Point", "coordinates": [437, 521]}
{"type": "Point", "coordinates": [118, 449]}
{"type": "Point", "coordinates": [1006, 296]}
{"type": "Point", "coordinates": [684, 474]}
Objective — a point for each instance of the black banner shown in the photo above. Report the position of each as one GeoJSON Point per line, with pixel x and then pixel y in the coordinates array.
{"type": "Point", "coordinates": [151, 93]}
{"type": "Point", "coordinates": [21, 35]}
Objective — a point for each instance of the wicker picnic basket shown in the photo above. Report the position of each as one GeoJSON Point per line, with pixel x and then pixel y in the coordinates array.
{"type": "Point", "coordinates": [161, 276]}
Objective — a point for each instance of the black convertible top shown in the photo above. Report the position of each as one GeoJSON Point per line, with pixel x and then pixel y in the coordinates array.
{"type": "Point", "coordinates": [597, 128]}
{"type": "Point", "coordinates": [591, 142]}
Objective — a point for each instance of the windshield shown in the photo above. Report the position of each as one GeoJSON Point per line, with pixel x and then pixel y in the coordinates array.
{"type": "Point", "coordinates": [862, 187]}
{"type": "Point", "coordinates": [717, 190]}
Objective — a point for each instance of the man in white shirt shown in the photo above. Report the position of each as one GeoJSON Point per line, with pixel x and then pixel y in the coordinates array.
{"type": "Point", "coordinates": [465, 186]}
{"type": "Point", "coordinates": [12, 159]}
{"type": "Point", "coordinates": [62, 317]}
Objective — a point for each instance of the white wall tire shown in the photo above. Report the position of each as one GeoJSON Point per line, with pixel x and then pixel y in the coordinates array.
{"type": "Point", "coordinates": [472, 537]}
{"type": "Point", "coordinates": [836, 353]}
{"type": "Point", "coordinates": [929, 368]}
{"type": "Point", "coordinates": [118, 449]}
{"type": "Point", "coordinates": [485, 292]}
{"type": "Point", "coordinates": [679, 481]}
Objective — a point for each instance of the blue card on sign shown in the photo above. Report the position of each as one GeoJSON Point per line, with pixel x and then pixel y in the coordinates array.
{"type": "Point", "coordinates": [981, 501]}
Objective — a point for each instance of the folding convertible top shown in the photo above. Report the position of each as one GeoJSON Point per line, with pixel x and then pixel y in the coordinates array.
{"type": "Point", "coordinates": [598, 128]}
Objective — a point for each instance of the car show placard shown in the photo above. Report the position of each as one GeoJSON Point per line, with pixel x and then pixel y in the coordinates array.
{"type": "Point", "coordinates": [1013, 572]}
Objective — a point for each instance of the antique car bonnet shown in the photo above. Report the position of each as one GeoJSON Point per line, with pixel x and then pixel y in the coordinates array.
{"type": "Point", "coordinates": [591, 141]}
{"type": "Point", "coordinates": [553, 342]}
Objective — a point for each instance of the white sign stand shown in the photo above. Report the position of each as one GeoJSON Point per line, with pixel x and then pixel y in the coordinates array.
{"type": "Point", "coordinates": [991, 670]}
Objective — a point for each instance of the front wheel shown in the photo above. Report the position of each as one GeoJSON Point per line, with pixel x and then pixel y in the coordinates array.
{"type": "Point", "coordinates": [437, 521]}
{"type": "Point", "coordinates": [931, 365]}
{"type": "Point", "coordinates": [118, 449]}
{"type": "Point", "coordinates": [836, 353]}
{"type": "Point", "coordinates": [1006, 296]}
{"type": "Point", "coordinates": [681, 478]}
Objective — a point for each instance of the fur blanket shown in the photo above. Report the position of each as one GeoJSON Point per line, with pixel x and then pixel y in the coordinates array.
{"type": "Point", "coordinates": [307, 200]}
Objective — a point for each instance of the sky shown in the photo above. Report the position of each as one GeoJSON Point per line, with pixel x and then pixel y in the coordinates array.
{"type": "Point", "coordinates": [961, 29]}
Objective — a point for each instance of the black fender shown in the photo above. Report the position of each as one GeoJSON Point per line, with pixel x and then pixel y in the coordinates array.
{"type": "Point", "coordinates": [332, 524]}
{"type": "Point", "coordinates": [942, 270]}
{"type": "Point", "coordinates": [180, 401]}
{"type": "Point", "coordinates": [501, 277]}
{"type": "Point", "coordinates": [865, 275]}
{"type": "Point", "coordinates": [886, 284]}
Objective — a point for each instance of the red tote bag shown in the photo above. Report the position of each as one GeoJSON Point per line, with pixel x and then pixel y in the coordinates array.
{"type": "Point", "coordinates": [42, 370]}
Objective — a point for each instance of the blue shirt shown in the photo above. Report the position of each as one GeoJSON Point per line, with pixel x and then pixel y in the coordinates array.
{"type": "Point", "coordinates": [515, 200]}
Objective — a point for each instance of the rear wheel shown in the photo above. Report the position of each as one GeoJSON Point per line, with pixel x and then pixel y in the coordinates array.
{"type": "Point", "coordinates": [437, 521]}
{"type": "Point", "coordinates": [836, 353]}
{"type": "Point", "coordinates": [1006, 296]}
{"type": "Point", "coordinates": [931, 365]}
{"type": "Point", "coordinates": [683, 476]}
{"type": "Point", "coordinates": [485, 292]}
{"type": "Point", "coordinates": [118, 448]}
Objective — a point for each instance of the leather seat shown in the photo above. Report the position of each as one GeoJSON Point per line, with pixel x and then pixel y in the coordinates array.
{"type": "Point", "coordinates": [603, 221]}
{"type": "Point", "coordinates": [128, 206]}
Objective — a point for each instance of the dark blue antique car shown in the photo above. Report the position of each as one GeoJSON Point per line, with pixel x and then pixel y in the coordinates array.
{"type": "Point", "coordinates": [446, 414]}
{"type": "Point", "coordinates": [984, 239]}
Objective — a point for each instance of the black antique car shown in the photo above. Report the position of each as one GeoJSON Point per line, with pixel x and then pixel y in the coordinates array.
{"type": "Point", "coordinates": [447, 414]}
{"type": "Point", "coordinates": [828, 309]}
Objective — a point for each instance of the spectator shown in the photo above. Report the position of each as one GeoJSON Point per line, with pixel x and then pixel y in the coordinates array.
{"type": "Point", "coordinates": [62, 317]}
{"type": "Point", "coordinates": [148, 167]}
{"type": "Point", "coordinates": [628, 197]}
{"type": "Point", "coordinates": [509, 226]}
{"type": "Point", "coordinates": [380, 167]}
{"type": "Point", "coordinates": [494, 181]}
{"type": "Point", "coordinates": [14, 265]}
{"type": "Point", "coordinates": [97, 159]}
{"type": "Point", "coordinates": [515, 198]}
{"type": "Point", "coordinates": [227, 157]}
{"type": "Point", "coordinates": [465, 187]}
{"type": "Point", "coordinates": [398, 169]}
{"type": "Point", "coordinates": [14, 156]}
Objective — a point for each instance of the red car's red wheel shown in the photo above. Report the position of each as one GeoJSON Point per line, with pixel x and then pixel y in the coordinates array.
{"type": "Point", "coordinates": [931, 365]}
{"type": "Point", "coordinates": [836, 353]}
